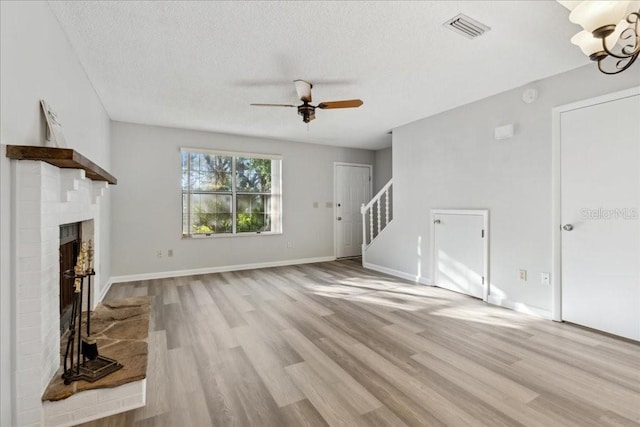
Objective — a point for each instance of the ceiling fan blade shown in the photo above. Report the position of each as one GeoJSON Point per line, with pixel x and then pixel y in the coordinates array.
{"type": "Point", "coordinates": [273, 105]}
{"type": "Point", "coordinates": [348, 103]}
{"type": "Point", "coordinates": [303, 89]}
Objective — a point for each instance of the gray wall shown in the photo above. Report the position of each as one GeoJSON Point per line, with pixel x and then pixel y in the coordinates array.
{"type": "Point", "coordinates": [147, 209]}
{"type": "Point", "coordinates": [36, 63]}
{"type": "Point", "coordinates": [382, 169]}
{"type": "Point", "coordinates": [452, 160]}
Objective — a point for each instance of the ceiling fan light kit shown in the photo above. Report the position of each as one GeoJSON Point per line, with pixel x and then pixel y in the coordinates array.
{"type": "Point", "coordinates": [308, 111]}
{"type": "Point", "coordinates": [610, 32]}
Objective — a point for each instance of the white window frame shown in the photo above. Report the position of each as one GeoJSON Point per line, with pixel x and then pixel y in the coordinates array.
{"type": "Point", "coordinates": [276, 193]}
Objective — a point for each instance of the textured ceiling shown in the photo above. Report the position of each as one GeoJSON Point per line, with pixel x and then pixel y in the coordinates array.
{"type": "Point", "coordinates": [198, 65]}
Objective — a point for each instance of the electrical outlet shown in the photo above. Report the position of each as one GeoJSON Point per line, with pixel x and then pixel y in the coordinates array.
{"type": "Point", "coordinates": [289, 244]}
{"type": "Point", "coordinates": [545, 278]}
{"type": "Point", "coordinates": [170, 252]}
{"type": "Point", "coordinates": [522, 275]}
{"type": "Point", "coordinates": [159, 254]}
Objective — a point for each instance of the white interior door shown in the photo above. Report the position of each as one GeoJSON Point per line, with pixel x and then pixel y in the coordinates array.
{"type": "Point", "coordinates": [460, 252]}
{"type": "Point", "coordinates": [353, 189]}
{"type": "Point", "coordinates": [600, 204]}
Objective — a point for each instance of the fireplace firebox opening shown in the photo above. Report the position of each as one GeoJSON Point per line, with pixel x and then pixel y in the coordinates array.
{"type": "Point", "coordinates": [70, 241]}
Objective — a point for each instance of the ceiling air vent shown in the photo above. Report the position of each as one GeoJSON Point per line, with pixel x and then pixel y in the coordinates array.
{"type": "Point", "coordinates": [470, 28]}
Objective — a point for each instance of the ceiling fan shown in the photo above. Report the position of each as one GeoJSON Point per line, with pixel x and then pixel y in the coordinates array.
{"type": "Point", "coordinates": [308, 111]}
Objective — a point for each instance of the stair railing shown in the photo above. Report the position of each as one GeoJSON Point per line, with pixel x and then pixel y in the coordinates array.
{"type": "Point", "coordinates": [377, 214]}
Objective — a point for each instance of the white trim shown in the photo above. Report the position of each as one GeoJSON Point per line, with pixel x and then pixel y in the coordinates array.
{"type": "Point", "coordinates": [52, 409]}
{"type": "Point", "coordinates": [556, 196]}
{"type": "Point", "coordinates": [520, 307]}
{"type": "Point", "coordinates": [230, 153]}
{"type": "Point", "coordinates": [377, 196]}
{"type": "Point", "coordinates": [411, 277]}
{"type": "Point", "coordinates": [484, 213]}
{"type": "Point", "coordinates": [208, 270]}
{"type": "Point", "coordinates": [275, 193]}
{"type": "Point", "coordinates": [7, 292]}
{"type": "Point", "coordinates": [502, 302]}
{"type": "Point", "coordinates": [335, 202]}
{"type": "Point", "coordinates": [103, 293]}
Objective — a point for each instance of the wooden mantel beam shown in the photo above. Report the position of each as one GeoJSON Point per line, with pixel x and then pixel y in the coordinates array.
{"type": "Point", "coordinates": [61, 157]}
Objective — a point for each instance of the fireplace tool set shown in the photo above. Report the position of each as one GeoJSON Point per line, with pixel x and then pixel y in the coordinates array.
{"type": "Point", "coordinates": [81, 358]}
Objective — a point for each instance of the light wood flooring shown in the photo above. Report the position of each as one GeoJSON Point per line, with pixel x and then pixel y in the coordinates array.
{"type": "Point", "coordinates": [335, 344]}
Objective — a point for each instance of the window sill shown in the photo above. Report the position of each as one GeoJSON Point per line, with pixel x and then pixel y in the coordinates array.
{"type": "Point", "coordinates": [230, 235]}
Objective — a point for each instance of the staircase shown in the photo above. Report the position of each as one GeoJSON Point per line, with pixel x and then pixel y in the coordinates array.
{"type": "Point", "coordinates": [376, 215]}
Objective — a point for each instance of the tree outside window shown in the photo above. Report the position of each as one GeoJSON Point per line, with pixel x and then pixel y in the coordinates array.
{"type": "Point", "coordinates": [224, 193]}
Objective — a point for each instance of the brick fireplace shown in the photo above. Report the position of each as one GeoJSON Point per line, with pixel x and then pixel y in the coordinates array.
{"type": "Point", "coordinates": [45, 198]}
{"type": "Point", "coordinates": [53, 187]}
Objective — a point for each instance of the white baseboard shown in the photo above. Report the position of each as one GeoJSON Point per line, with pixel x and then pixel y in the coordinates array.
{"type": "Point", "coordinates": [520, 307]}
{"type": "Point", "coordinates": [103, 293]}
{"type": "Point", "coordinates": [503, 302]}
{"type": "Point", "coordinates": [397, 273]}
{"type": "Point", "coordinates": [208, 270]}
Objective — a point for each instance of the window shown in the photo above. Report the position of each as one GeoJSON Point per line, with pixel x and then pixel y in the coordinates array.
{"type": "Point", "coordinates": [230, 193]}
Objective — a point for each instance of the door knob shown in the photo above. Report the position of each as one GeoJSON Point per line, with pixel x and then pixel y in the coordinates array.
{"type": "Point", "coordinates": [436, 221]}
{"type": "Point", "coordinates": [567, 227]}
{"type": "Point", "coordinates": [339, 218]}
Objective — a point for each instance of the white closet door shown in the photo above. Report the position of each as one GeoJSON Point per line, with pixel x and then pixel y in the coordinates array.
{"type": "Point", "coordinates": [600, 193]}
{"type": "Point", "coordinates": [459, 253]}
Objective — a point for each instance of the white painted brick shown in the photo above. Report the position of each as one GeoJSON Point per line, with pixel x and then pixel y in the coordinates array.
{"type": "Point", "coordinates": [50, 170]}
{"type": "Point", "coordinates": [30, 278]}
{"type": "Point", "coordinates": [26, 320]}
{"type": "Point", "coordinates": [28, 389]}
{"type": "Point", "coordinates": [50, 193]}
{"type": "Point", "coordinates": [31, 165]}
{"type": "Point", "coordinates": [85, 398]}
{"type": "Point", "coordinates": [48, 375]}
{"type": "Point", "coordinates": [51, 232]}
{"type": "Point", "coordinates": [29, 374]}
{"type": "Point", "coordinates": [29, 180]}
{"type": "Point", "coordinates": [122, 392]}
{"type": "Point", "coordinates": [30, 193]}
{"type": "Point", "coordinates": [51, 183]}
{"type": "Point", "coordinates": [26, 264]}
{"type": "Point", "coordinates": [51, 210]}
{"type": "Point", "coordinates": [58, 409]}
{"type": "Point", "coordinates": [95, 404]}
{"type": "Point", "coordinates": [113, 406]}
{"type": "Point", "coordinates": [30, 360]}
{"type": "Point", "coordinates": [30, 250]}
{"type": "Point", "coordinates": [27, 404]}
{"type": "Point", "coordinates": [71, 404]}
{"type": "Point", "coordinates": [30, 347]}
{"type": "Point", "coordinates": [31, 305]}
{"type": "Point", "coordinates": [31, 417]}
{"type": "Point", "coordinates": [41, 210]}
{"type": "Point", "coordinates": [30, 235]}
{"type": "Point", "coordinates": [29, 206]}
{"type": "Point", "coordinates": [59, 420]}
{"type": "Point", "coordinates": [28, 219]}
{"type": "Point", "coordinates": [28, 292]}
{"type": "Point", "coordinates": [27, 335]}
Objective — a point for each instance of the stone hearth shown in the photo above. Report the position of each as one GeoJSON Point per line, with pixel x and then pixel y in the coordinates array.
{"type": "Point", "coordinates": [121, 329]}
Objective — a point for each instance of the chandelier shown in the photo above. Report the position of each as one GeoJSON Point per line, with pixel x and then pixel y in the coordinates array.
{"type": "Point", "coordinates": [610, 34]}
